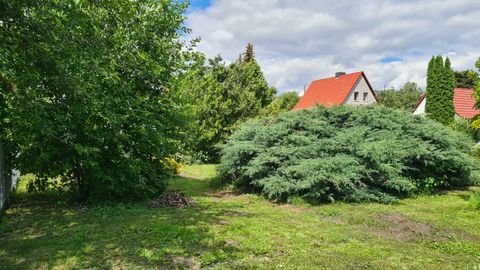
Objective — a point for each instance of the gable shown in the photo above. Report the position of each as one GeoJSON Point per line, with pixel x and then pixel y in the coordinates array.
{"type": "Point", "coordinates": [361, 94]}
{"type": "Point", "coordinates": [330, 91]}
{"type": "Point", "coordinates": [420, 107]}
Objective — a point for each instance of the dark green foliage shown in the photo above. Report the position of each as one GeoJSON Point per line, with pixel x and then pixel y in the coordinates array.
{"type": "Point", "coordinates": [466, 79]}
{"type": "Point", "coordinates": [223, 97]}
{"type": "Point", "coordinates": [249, 54]}
{"type": "Point", "coordinates": [406, 98]}
{"type": "Point", "coordinates": [347, 154]}
{"type": "Point", "coordinates": [440, 87]}
{"type": "Point", "coordinates": [95, 101]}
{"type": "Point", "coordinates": [477, 87]}
{"type": "Point", "coordinates": [283, 103]}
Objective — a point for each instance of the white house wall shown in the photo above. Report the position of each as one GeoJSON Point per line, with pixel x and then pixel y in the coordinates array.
{"type": "Point", "coordinates": [421, 107]}
{"type": "Point", "coordinates": [362, 87]}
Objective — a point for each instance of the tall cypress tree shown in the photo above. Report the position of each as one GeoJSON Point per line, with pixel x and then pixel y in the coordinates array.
{"type": "Point", "coordinates": [477, 85]}
{"type": "Point", "coordinates": [440, 87]}
{"type": "Point", "coordinates": [448, 89]}
{"type": "Point", "coordinates": [432, 89]}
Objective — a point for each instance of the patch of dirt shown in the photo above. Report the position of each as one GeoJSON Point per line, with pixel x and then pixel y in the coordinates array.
{"type": "Point", "coordinates": [186, 263]}
{"type": "Point", "coordinates": [403, 228]}
{"type": "Point", "coordinates": [231, 243]}
{"type": "Point", "coordinates": [237, 214]}
{"type": "Point", "coordinates": [173, 199]}
{"type": "Point", "coordinates": [223, 194]}
{"type": "Point", "coordinates": [296, 209]}
{"type": "Point", "coordinates": [222, 222]}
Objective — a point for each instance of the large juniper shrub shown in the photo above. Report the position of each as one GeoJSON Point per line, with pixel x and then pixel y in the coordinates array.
{"type": "Point", "coordinates": [346, 153]}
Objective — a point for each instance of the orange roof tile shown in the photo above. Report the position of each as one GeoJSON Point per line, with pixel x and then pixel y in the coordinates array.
{"type": "Point", "coordinates": [464, 103]}
{"type": "Point", "coordinates": [329, 91]}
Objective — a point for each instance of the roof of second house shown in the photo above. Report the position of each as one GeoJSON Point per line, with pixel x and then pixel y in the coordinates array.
{"type": "Point", "coordinates": [463, 101]}
{"type": "Point", "coordinates": [330, 91]}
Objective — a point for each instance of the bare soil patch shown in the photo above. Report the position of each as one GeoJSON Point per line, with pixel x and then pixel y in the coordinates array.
{"type": "Point", "coordinates": [223, 194]}
{"type": "Point", "coordinates": [186, 263]}
{"type": "Point", "coordinates": [401, 228]}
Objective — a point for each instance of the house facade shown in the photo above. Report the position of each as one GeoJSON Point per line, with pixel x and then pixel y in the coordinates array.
{"type": "Point", "coordinates": [343, 89]}
{"type": "Point", "coordinates": [463, 101]}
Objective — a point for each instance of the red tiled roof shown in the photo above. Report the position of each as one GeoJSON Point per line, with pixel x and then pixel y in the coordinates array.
{"type": "Point", "coordinates": [329, 91]}
{"type": "Point", "coordinates": [464, 103]}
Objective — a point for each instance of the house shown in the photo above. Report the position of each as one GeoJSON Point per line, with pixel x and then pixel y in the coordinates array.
{"type": "Point", "coordinates": [463, 101]}
{"type": "Point", "coordinates": [351, 89]}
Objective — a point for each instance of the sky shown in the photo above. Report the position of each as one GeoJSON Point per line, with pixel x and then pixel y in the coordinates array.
{"type": "Point", "coordinates": [298, 41]}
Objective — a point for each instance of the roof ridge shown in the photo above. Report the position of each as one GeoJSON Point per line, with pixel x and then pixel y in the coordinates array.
{"type": "Point", "coordinates": [333, 77]}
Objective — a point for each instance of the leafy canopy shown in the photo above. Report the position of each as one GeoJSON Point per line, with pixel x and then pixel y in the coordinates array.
{"type": "Point", "coordinates": [95, 101]}
{"type": "Point", "coordinates": [406, 98]}
{"type": "Point", "coordinates": [283, 103]}
{"type": "Point", "coordinates": [224, 96]}
{"type": "Point", "coordinates": [346, 154]}
{"type": "Point", "coordinates": [466, 79]}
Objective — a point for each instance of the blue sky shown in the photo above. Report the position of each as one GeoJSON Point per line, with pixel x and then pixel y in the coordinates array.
{"type": "Point", "coordinates": [199, 4]}
{"type": "Point", "coordinates": [298, 41]}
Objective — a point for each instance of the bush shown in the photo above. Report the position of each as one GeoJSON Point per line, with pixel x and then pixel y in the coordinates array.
{"type": "Point", "coordinates": [100, 111]}
{"type": "Point", "coordinates": [346, 153]}
{"type": "Point", "coordinates": [474, 201]}
{"type": "Point", "coordinates": [465, 126]}
{"type": "Point", "coordinates": [171, 165]}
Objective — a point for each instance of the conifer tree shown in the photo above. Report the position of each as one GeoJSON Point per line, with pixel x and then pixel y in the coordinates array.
{"type": "Point", "coordinates": [224, 96]}
{"type": "Point", "coordinates": [249, 54]}
{"type": "Point", "coordinates": [448, 90]}
{"type": "Point", "coordinates": [477, 85]}
{"type": "Point", "coordinates": [432, 88]}
{"type": "Point", "coordinates": [440, 87]}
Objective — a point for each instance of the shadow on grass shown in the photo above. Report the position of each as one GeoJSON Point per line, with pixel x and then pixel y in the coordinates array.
{"type": "Point", "coordinates": [41, 234]}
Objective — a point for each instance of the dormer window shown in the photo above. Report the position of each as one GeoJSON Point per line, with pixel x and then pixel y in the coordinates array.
{"type": "Point", "coordinates": [355, 96]}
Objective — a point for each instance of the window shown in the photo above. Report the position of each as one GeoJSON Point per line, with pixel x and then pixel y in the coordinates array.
{"type": "Point", "coordinates": [355, 96]}
{"type": "Point", "coordinates": [365, 96]}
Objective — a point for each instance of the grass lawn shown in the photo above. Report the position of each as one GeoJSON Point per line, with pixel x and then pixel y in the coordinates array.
{"type": "Point", "coordinates": [228, 231]}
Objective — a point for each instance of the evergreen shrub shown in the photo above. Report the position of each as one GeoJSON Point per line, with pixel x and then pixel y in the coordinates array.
{"type": "Point", "coordinates": [344, 153]}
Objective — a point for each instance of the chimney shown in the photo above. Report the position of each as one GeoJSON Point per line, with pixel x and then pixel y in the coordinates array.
{"type": "Point", "coordinates": [338, 74]}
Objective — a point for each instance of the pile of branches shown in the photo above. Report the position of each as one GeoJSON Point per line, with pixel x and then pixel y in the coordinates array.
{"type": "Point", "coordinates": [173, 199]}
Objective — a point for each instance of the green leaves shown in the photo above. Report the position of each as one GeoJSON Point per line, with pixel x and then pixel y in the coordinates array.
{"type": "Point", "coordinates": [224, 97]}
{"type": "Point", "coordinates": [347, 154]}
{"type": "Point", "coordinates": [476, 92]}
{"type": "Point", "coordinates": [96, 102]}
{"type": "Point", "coordinates": [405, 98]}
{"type": "Point", "coordinates": [440, 88]}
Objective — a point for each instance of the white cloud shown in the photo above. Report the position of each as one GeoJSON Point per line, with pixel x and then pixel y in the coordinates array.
{"type": "Point", "coordinates": [297, 41]}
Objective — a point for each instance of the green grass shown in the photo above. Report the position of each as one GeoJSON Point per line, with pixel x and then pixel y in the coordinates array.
{"type": "Point", "coordinates": [224, 230]}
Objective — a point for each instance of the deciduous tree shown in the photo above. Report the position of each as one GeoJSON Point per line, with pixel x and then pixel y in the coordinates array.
{"type": "Point", "coordinates": [466, 79]}
{"type": "Point", "coordinates": [406, 98]}
{"type": "Point", "coordinates": [96, 101]}
{"type": "Point", "coordinates": [283, 103]}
